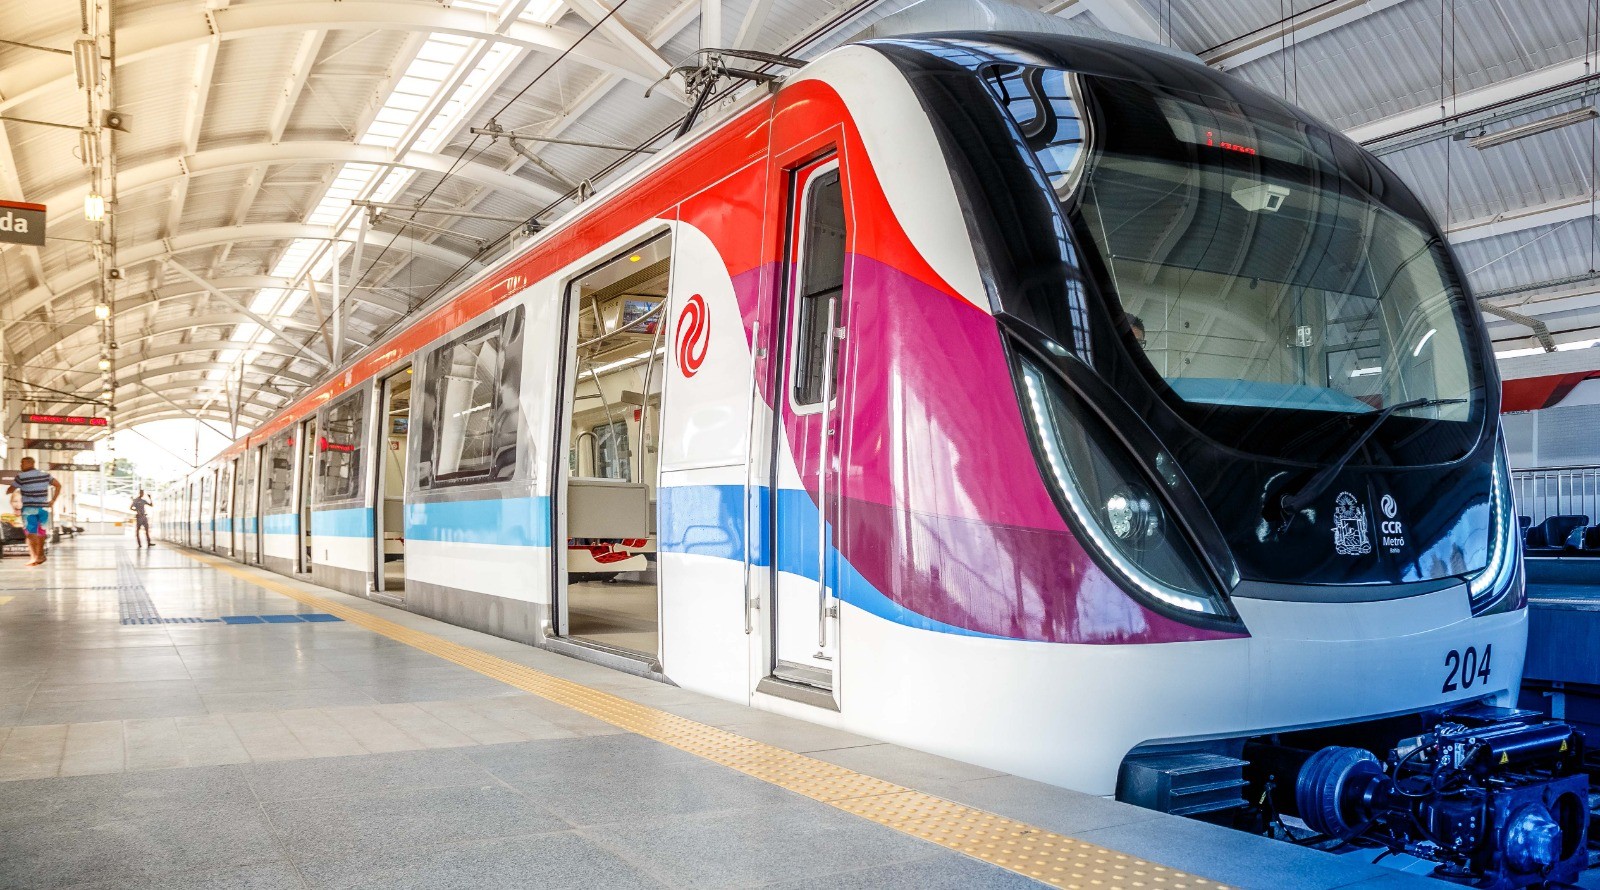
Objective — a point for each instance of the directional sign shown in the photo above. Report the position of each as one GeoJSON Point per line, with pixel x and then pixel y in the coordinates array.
{"type": "Point", "coordinates": [22, 223]}
{"type": "Point", "coordinates": [64, 419]}
{"type": "Point", "coordinates": [89, 468]}
{"type": "Point", "coordinates": [58, 444]}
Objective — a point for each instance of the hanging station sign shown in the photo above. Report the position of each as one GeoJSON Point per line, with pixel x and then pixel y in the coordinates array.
{"type": "Point", "coordinates": [22, 223]}
{"type": "Point", "coordinates": [64, 420]}
{"type": "Point", "coordinates": [61, 467]}
{"type": "Point", "coordinates": [58, 444]}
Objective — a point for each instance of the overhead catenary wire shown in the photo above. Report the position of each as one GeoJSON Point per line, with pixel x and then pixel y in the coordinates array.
{"type": "Point", "coordinates": [358, 276]}
{"type": "Point", "coordinates": [463, 157]}
{"type": "Point", "coordinates": [799, 45]}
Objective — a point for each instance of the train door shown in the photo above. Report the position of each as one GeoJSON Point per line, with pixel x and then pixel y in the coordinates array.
{"type": "Point", "coordinates": [394, 425]}
{"type": "Point", "coordinates": [607, 588]}
{"type": "Point", "coordinates": [258, 473]}
{"type": "Point", "coordinates": [305, 484]}
{"type": "Point", "coordinates": [236, 536]}
{"type": "Point", "coordinates": [208, 480]}
{"type": "Point", "coordinates": [807, 402]}
{"type": "Point", "coordinates": [225, 508]}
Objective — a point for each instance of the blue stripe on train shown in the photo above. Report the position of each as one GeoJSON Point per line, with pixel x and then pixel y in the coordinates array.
{"type": "Point", "coordinates": [708, 520]}
{"type": "Point", "coordinates": [281, 524]}
{"type": "Point", "coordinates": [514, 522]}
{"type": "Point", "coordinates": [351, 522]}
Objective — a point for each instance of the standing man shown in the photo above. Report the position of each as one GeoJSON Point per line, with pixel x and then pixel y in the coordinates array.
{"type": "Point", "coordinates": [39, 492]}
{"type": "Point", "coordinates": [141, 520]}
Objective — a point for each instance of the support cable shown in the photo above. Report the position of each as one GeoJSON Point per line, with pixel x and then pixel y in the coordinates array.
{"type": "Point", "coordinates": [799, 45]}
{"type": "Point", "coordinates": [359, 274]}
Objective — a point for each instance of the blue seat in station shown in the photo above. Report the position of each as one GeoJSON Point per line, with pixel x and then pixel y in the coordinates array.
{"type": "Point", "coordinates": [1585, 540]}
{"type": "Point", "coordinates": [1550, 536]}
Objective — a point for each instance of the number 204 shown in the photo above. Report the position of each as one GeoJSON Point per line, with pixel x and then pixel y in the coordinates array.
{"type": "Point", "coordinates": [1466, 668]}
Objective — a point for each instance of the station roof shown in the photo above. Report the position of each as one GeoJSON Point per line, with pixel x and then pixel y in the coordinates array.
{"type": "Point", "coordinates": [249, 127]}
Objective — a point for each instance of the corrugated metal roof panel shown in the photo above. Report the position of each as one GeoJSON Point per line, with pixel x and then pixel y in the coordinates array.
{"type": "Point", "coordinates": [1333, 75]}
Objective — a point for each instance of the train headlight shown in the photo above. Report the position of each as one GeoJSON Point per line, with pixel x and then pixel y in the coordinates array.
{"type": "Point", "coordinates": [1113, 507]}
{"type": "Point", "coordinates": [1134, 516]}
{"type": "Point", "coordinates": [1490, 585]}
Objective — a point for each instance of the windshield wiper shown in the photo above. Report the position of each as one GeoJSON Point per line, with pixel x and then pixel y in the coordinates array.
{"type": "Point", "coordinates": [1291, 503]}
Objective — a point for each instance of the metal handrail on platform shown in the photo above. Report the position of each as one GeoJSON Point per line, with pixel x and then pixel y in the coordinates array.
{"type": "Point", "coordinates": [1557, 491]}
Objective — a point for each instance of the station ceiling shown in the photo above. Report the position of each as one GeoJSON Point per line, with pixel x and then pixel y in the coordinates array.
{"type": "Point", "coordinates": [247, 129]}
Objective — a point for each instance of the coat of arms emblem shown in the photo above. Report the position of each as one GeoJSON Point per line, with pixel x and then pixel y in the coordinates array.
{"type": "Point", "coordinates": [1350, 536]}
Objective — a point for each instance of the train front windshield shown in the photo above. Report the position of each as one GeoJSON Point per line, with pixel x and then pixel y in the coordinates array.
{"type": "Point", "coordinates": [1256, 274]}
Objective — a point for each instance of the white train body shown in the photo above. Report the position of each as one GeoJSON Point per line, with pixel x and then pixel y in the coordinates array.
{"type": "Point", "coordinates": [997, 421]}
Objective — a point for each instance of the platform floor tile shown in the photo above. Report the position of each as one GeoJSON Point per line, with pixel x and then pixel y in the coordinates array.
{"type": "Point", "coordinates": [385, 749]}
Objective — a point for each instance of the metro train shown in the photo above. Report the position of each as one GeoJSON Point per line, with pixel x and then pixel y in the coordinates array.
{"type": "Point", "coordinates": [1022, 393]}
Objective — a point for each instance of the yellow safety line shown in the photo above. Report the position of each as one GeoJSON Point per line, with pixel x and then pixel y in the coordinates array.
{"type": "Point", "coordinates": [1027, 850]}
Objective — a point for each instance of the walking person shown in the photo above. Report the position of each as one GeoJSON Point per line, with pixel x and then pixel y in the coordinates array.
{"type": "Point", "coordinates": [141, 519]}
{"type": "Point", "coordinates": [39, 492]}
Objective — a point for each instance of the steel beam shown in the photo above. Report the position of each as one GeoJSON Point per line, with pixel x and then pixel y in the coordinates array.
{"type": "Point", "coordinates": [140, 252]}
{"type": "Point", "coordinates": [1314, 22]}
{"type": "Point", "coordinates": [174, 26]}
{"type": "Point", "coordinates": [1521, 219]}
{"type": "Point", "coordinates": [267, 324]}
{"type": "Point", "coordinates": [1506, 93]}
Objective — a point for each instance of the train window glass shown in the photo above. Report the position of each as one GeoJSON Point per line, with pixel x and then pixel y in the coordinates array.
{"type": "Point", "coordinates": [278, 495]}
{"type": "Point", "coordinates": [339, 449]}
{"type": "Point", "coordinates": [1266, 273]}
{"type": "Point", "coordinates": [1040, 101]}
{"type": "Point", "coordinates": [612, 457]}
{"type": "Point", "coordinates": [470, 391]}
{"type": "Point", "coordinates": [247, 484]}
{"type": "Point", "coordinates": [225, 491]}
{"type": "Point", "coordinates": [241, 485]}
{"type": "Point", "coordinates": [467, 374]}
{"type": "Point", "coordinates": [821, 279]}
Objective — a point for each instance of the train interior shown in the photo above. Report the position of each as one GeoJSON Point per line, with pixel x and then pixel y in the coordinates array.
{"type": "Point", "coordinates": [611, 597]}
{"type": "Point", "coordinates": [395, 392]}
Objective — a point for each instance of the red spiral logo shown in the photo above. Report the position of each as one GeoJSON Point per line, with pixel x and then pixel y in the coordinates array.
{"type": "Point", "coordinates": [693, 333]}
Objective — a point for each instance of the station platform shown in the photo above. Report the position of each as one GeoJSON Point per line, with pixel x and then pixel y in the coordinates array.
{"type": "Point", "coordinates": [171, 720]}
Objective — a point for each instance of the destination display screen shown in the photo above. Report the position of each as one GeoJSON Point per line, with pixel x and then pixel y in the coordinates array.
{"type": "Point", "coordinates": [1207, 125]}
{"type": "Point", "coordinates": [64, 419]}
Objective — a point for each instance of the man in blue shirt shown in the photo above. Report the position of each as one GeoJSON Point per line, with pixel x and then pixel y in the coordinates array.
{"type": "Point", "coordinates": [39, 492]}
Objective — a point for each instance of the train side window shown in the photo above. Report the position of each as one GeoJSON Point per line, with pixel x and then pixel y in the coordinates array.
{"type": "Point", "coordinates": [339, 449]}
{"type": "Point", "coordinates": [819, 258]}
{"type": "Point", "coordinates": [280, 471]}
{"type": "Point", "coordinates": [470, 412]}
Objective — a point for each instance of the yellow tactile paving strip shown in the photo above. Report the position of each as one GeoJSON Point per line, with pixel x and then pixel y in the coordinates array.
{"type": "Point", "coordinates": [1042, 855]}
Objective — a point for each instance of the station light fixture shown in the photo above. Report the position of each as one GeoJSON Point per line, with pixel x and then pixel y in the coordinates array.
{"type": "Point", "coordinates": [89, 147]}
{"type": "Point", "coordinates": [86, 62]}
{"type": "Point", "coordinates": [102, 311]}
{"type": "Point", "coordinates": [105, 363]}
{"type": "Point", "coordinates": [1543, 125]}
{"type": "Point", "coordinates": [94, 207]}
